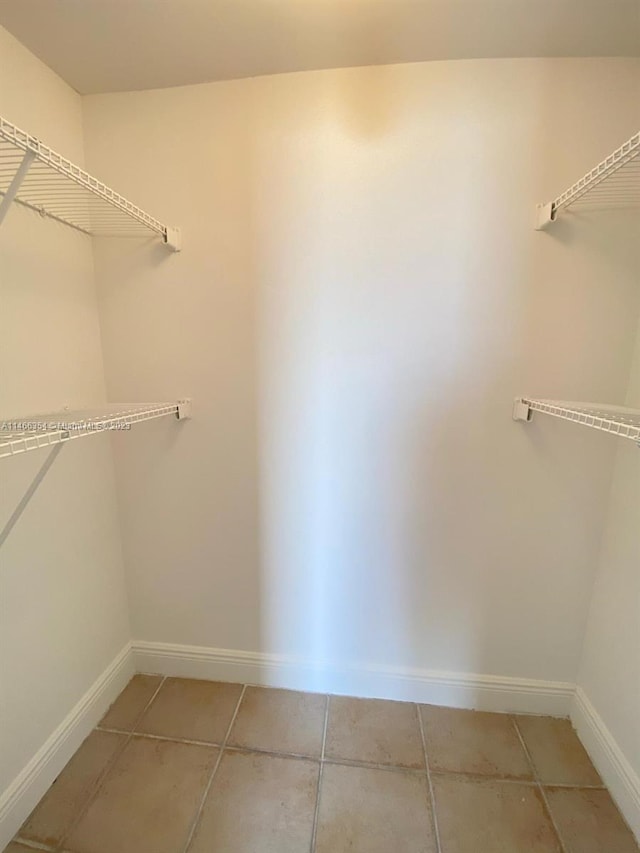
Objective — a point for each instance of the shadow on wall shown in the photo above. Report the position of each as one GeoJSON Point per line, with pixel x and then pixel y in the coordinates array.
{"type": "Point", "coordinates": [30, 491]}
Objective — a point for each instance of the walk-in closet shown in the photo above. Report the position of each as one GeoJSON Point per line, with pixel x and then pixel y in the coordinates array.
{"type": "Point", "coordinates": [319, 426]}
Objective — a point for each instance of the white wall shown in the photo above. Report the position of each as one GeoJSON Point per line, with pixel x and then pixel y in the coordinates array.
{"type": "Point", "coordinates": [63, 614]}
{"type": "Point", "coordinates": [610, 666]}
{"type": "Point", "coordinates": [360, 296]}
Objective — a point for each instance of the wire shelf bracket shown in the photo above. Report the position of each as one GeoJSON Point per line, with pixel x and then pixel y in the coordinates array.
{"type": "Point", "coordinates": [38, 177]}
{"type": "Point", "coordinates": [20, 435]}
{"type": "Point", "coordinates": [616, 420]}
{"type": "Point", "coordinates": [613, 183]}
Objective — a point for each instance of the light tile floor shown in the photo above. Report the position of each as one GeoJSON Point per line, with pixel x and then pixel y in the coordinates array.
{"type": "Point", "coordinates": [181, 766]}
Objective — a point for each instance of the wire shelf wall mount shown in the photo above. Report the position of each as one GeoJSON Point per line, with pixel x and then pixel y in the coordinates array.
{"type": "Point", "coordinates": [616, 420]}
{"type": "Point", "coordinates": [39, 178]}
{"type": "Point", "coordinates": [613, 183]}
{"type": "Point", "coordinates": [20, 435]}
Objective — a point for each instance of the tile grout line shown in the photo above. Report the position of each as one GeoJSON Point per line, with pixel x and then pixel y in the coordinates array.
{"type": "Point", "coordinates": [480, 778]}
{"type": "Point", "coordinates": [536, 777]}
{"type": "Point", "coordinates": [60, 846]}
{"type": "Point", "coordinates": [272, 753]}
{"type": "Point", "coordinates": [348, 762]}
{"type": "Point", "coordinates": [138, 719]}
{"type": "Point", "coordinates": [35, 845]}
{"type": "Point", "coordinates": [369, 765]}
{"type": "Point", "coordinates": [207, 787]}
{"type": "Point", "coordinates": [314, 831]}
{"type": "Point", "coordinates": [167, 739]}
{"type": "Point", "coordinates": [568, 787]}
{"type": "Point", "coordinates": [276, 753]}
{"type": "Point", "coordinates": [432, 796]}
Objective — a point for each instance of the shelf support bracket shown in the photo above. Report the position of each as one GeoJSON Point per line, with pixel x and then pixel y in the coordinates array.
{"type": "Point", "coordinates": [173, 239]}
{"type": "Point", "coordinates": [545, 215]}
{"type": "Point", "coordinates": [184, 409]}
{"type": "Point", "coordinates": [521, 410]}
{"type": "Point", "coordinates": [14, 186]}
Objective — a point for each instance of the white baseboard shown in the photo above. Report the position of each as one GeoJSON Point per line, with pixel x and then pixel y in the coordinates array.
{"type": "Point", "coordinates": [458, 690]}
{"type": "Point", "coordinates": [22, 795]}
{"type": "Point", "coordinates": [618, 775]}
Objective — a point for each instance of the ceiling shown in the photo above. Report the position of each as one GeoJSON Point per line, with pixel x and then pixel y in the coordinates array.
{"type": "Point", "coordinates": [116, 45]}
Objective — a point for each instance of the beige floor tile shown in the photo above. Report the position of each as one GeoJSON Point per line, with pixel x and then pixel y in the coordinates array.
{"type": "Point", "coordinates": [53, 815]}
{"type": "Point", "coordinates": [258, 803]}
{"type": "Point", "coordinates": [280, 721]}
{"type": "Point", "coordinates": [473, 742]}
{"type": "Point", "coordinates": [16, 847]}
{"type": "Point", "coordinates": [363, 810]}
{"type": "Point", "coordinates": [195, 710]}
{"type": "Point", "coordinates": [492, 817]}
{"type": "Point", "coordinates": [131, 703]}
{"type": "Point", "coordinates": [558, 755]}
{"type": "Point", "coordinates": [147, 801]}
{"type": "Point", "coordinates": [375, 731]}
{"type": "Point", "coordinates": [589, 822]}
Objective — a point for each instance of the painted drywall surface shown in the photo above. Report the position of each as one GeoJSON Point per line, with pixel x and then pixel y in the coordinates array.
{"type": "Point", "coordinates": [610, 666]}
{"type": "Point", "coordinates": [63, 614]}
{"type": "Point", "coordinates": [222, 40]}
{"type": "Point", "coordinates": [359, 297]}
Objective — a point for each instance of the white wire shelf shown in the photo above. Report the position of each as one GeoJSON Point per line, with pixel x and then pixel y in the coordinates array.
{"type": "Point", "coordinates": [41, 179]}
{"type": "Point", "coordinates": [613, 183]}
{"type": "Point", "coordinates": [19, 435]}
{"type": "Point", "coordinates": [617, 420]}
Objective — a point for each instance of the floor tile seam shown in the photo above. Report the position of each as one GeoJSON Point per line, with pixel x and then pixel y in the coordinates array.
{"type": "Point", "coordinates": [432, 796]}
{"type": "Point", "coordinates": [372, 765]}
{"type": "Point", "coordinates": [139, 715]}
{"type": "Point", "coordinates": [352, 762]}
{"type": "Point", "coordinates": [483, 779]}
{"type": "Point", "coordinates": [113, 731]}
{"type": "Point", "coordinates": [97, 786]}
{"type": "Point", "coordinates": [196, 818]}
{"type": "Point", "coordinates": [34, 845]}
{"type": "Point", "coordinates": [316, 811]}
{"type": "Point", "coordinates": [545, 800]}
{"type": "Point", "coordinates": [271, 753]}
{"type": "Point", "coordinates": [325, 728]}
{"type": "Point", "coordinates": [175, 739]}
{"type": "Point", "coordinates": [349, 762]}
{"type": "Point", "coordinates": [563, 786]}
